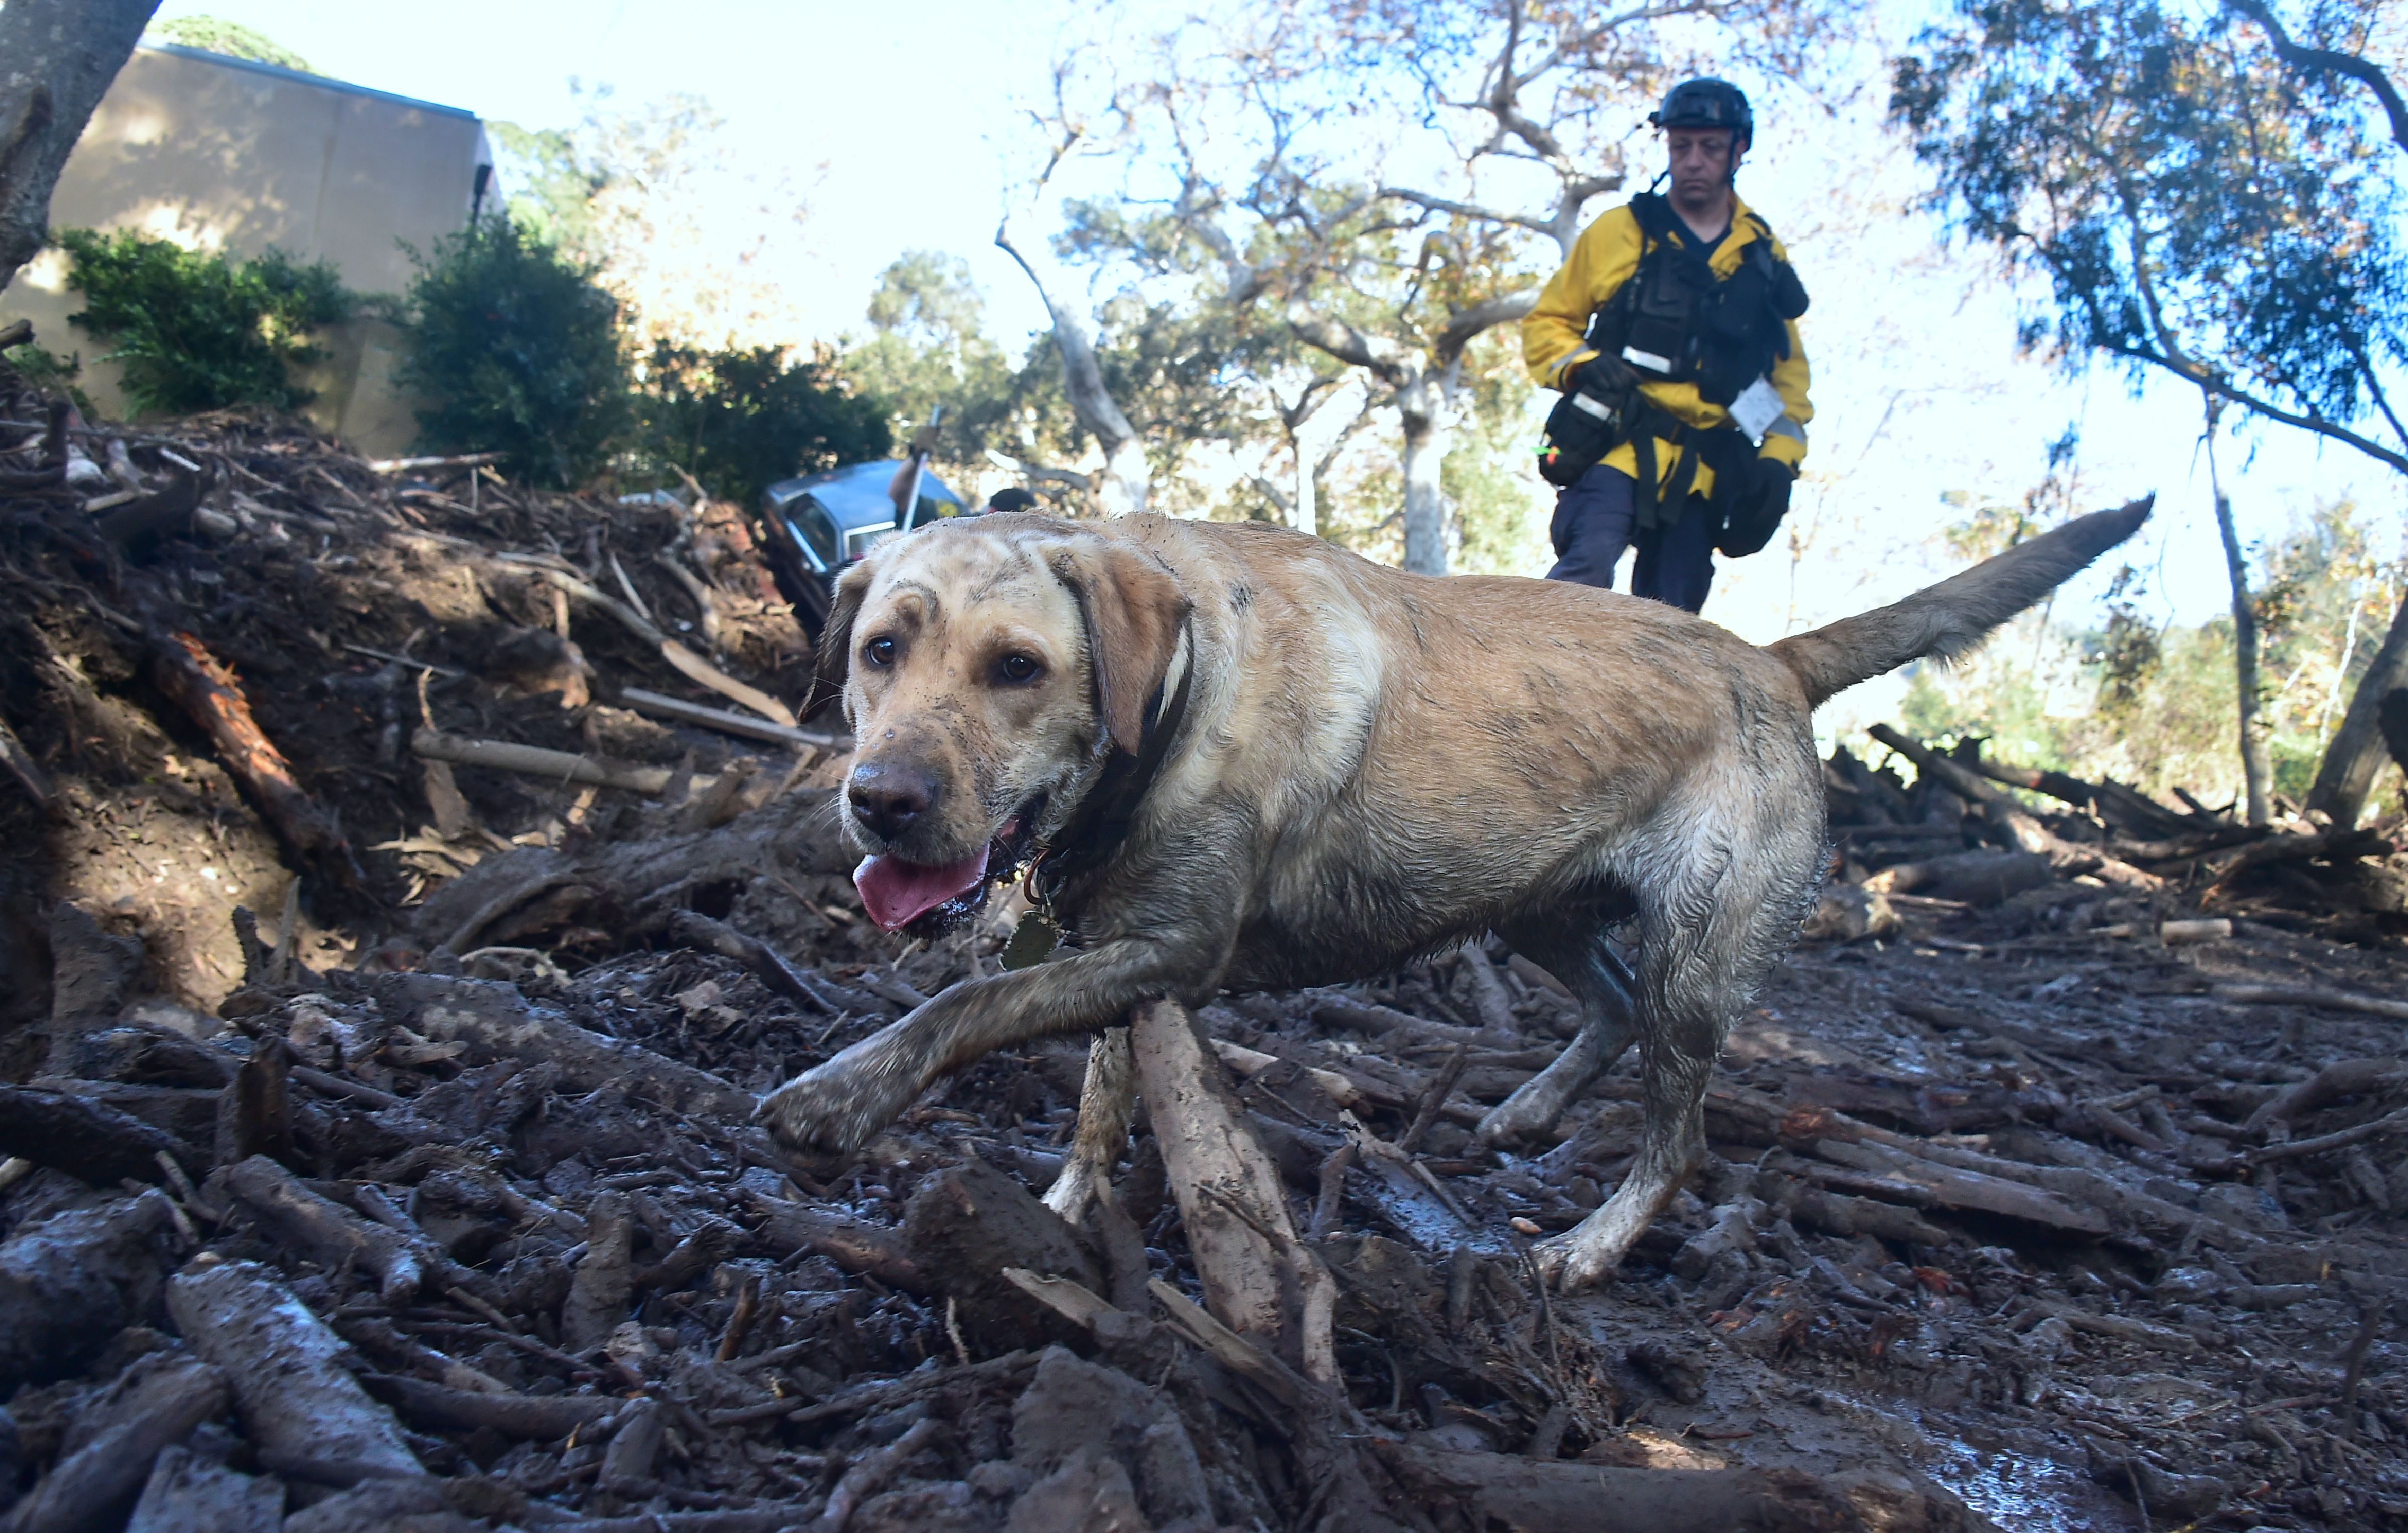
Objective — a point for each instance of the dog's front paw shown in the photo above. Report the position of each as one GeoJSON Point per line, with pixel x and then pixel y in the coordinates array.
{"type": "Point", "coordinates": [840, 1104]}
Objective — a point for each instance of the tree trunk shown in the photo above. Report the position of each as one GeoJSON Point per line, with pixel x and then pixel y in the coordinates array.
{"type": "Point", "coordinates": [1126, 479]}
{"type": "Point", "coordinates": [61, 55]}
{"type": "Point", "coordinates": [2355, 754]}
{"type": "Point", "coordinates": [1422, 407]}
{"type": "Point", "coordinates": [2254, 769]}
{"type": "Point", "coordinates": [1306, 518]}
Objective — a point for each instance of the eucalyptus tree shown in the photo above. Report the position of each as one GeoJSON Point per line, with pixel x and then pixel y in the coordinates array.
{"type": "Point", "coordinates": [2206, 195]}
{"type": "Point", "coordinates": [1385, 183]}
{"type": "Point", "coordinates": [60, 56]}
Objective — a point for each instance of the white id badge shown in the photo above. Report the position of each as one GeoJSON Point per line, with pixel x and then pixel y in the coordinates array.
{"type": "Point", "coordinates": [1756, 409]}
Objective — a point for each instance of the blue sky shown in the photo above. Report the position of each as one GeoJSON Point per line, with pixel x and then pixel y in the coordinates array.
{"type": "Point", "coordinates": [905, 122]}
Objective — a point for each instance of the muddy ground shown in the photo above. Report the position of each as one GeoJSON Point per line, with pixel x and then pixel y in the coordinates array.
{"type": "Point", "coordinates": [2024, 1206]}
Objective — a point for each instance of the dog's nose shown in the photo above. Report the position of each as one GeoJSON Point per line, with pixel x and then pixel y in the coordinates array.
{"type": "Point", "coordinates": [890, 798]}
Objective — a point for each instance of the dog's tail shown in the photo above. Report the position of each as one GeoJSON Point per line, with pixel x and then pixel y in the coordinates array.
{"type": "Point", "coordinates": [1949, 619]}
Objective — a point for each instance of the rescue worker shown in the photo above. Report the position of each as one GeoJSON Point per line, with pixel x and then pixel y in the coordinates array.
{"type": "Point", "coordinates": [1673, 333]}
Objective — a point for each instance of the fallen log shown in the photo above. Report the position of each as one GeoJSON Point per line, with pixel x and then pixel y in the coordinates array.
{"type": "Point", "coordinates": [2291, 995]}
{"type": "Point", "coordinates": [1343, 1089]}
{"type": "Point", "coordinates": [189, 1493]}
{"type": "Point", "coordinates": [1837, 1213]}
{"type": "Point", "coordinates": [2341, 1138]}
{"type": "Point", "coordinates": [535, 760]}
{"type": "Point", "coordinates": [22, 765]}
{"type": "Point", "coordinates": [693, 666]}
{"type": "Point", "coordinates": [94, 1485]}
{"type": "Point", "coordinates": [1532, 1495]}
{"type": "Point", "coordinates": [869, 1473]}
{"type": "Point", "coordinates": [72, 1282]}
{"type": "Point", "coordinates": [2009, 818]}
{"type": "Point", "coordinates": [85, 1138]}
{"type": "Point", "coordinates": [541, 1418]}
{"type": "Point", "coordinates": [767, 962]}
{"type": "Point", "coordinates": [406, 466]}
{"type": "Point", "coordinates": [663, 707]}
{"type": "Point", "coordinates": [2339, 845]}
{"type": "Point", "coordinates": [1896, 1177]}
{"type": "Point", "coordinates": [2341, 1079]}
{"type": "Point", "coordinates": [791, 837]}
{"type": "Point", "coordinates": [1259, 1279]}
{"type": "Point", "coordinates": [494, 1019]}
{"type": "Point", "coordinates": [857, 1245]}
{"type": "Point", "coordinates": [1973, 878]}
{"type": "Point", "coordinates": [208, 694]}
{"type": "Point", "coordinates": [330, 1234]}
{"type": "Point", "coordinates": [296, 1398]}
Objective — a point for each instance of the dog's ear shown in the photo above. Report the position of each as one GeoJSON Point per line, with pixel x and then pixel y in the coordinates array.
{"type": "Point", "coordinates": [1134, 611]}
{"type": "Point", "coordinates": [832, 658]}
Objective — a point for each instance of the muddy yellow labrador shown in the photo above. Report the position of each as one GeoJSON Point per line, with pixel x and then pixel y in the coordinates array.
{"type": "Point", "coordinates": [1232, 756]}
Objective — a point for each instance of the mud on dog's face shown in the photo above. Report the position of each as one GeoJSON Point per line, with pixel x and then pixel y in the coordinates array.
{"type": "Point", "coordinates": [984, 665]}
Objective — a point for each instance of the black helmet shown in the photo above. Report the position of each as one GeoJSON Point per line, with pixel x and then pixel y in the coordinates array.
{"type": "Point", "coordinates": [1011, 498]}
{"type": "Point", "coordinates": [1706, 102]}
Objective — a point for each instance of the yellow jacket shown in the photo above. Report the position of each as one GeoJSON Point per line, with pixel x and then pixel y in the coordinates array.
{"type": "Point", "coordinates": [1604, 257]}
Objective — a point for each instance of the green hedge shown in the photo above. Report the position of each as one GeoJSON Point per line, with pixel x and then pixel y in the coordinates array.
{"type": "Point", "coordinates": [739, 420]}
{"type": "Point", "coordinates": [195, 332]}
{"type": "Point", "coordinates": [520, 348]}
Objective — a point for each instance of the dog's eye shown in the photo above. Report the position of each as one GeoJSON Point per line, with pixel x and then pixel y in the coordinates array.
{"type": "Point", "coordinates": [879, 652]}
{"type": "Point", "coordinates": [1018, 670]}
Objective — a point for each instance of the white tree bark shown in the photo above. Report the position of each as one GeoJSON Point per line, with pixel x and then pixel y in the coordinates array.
{"type": "Point", "coordinates": [1126, 481]}
{"type": "Point", "coordinates": [1425, 408]}
{"type": "Point", "coordinates": [57, 58]}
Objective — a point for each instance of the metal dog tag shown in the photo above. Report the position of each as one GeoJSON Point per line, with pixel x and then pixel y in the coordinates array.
{"type": "Point", "coordinates": [1032, 943]}
{"type": "Point", "coordinates": [1756, 407]}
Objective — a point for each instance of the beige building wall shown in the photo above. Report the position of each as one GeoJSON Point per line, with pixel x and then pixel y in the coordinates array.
{"type": "Point", "coordinates": [222, 154]}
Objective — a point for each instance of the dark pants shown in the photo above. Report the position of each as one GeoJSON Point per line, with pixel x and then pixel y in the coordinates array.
{"type": "Point", "coordinates": [1594, 522]}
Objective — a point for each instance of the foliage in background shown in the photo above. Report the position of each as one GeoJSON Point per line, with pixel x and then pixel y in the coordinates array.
{"type": "Point", "coordinates": [521, 350]}
{"type": "Point", "coordinates": [193, 331]}
{"type": "Point", "coordinates": [2204, 197]}
{"type": "Point", "coordinates": [2152, 704]}
{"type": "Point", "coordinates": [741, 418]}
{"type": "Point", "coordinates": [652, 198]}
{"type": "Point", "coordinates": [2194, 206]}
{"type": "Point", "coordinates": [216, 34]}
{"type": "Point", "coordinates": [44, 368]}
{"type": "Point", "coordinates": [928, 346]}
{"type": "Point", "coordinates": [1184, 375]}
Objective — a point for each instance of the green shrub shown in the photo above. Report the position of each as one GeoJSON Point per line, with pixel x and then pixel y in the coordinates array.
{"type": "Point", "coordinates": [216, 34]}
{"type": "Point", "coordinates": [194, 331]}
{"type": "Point", "coordinates": [739, 420]}
{"type": "Point", "coordinates": [520, 348]}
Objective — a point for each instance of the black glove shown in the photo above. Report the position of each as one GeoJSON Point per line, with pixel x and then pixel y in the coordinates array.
{"type": "Point", "coordinates": [1589, 422]}
{"type": "Point", "coordinates": [1757, 507]}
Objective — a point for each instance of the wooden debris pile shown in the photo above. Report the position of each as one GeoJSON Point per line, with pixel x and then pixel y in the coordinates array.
{"type": "Point", "coordinates": [431, 1246]}
{"type": "Point", "coordinates": [2062, 1172]}
{"type": "Point", "coordinates": [2064, 857]}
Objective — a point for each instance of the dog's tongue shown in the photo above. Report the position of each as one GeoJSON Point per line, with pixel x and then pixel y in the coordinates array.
{"type": "Point", "coordinates": [896, 893]}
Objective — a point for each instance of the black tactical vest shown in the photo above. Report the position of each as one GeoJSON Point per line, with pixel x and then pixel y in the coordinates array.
{"type": "Point", "coordinates": [1719, 333]}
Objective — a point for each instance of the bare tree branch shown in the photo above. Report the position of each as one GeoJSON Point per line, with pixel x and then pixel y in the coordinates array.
{"type": "Point", "coordinates": [1466, 325]}
{"type": "Point", "coordinates": [2328, 61]}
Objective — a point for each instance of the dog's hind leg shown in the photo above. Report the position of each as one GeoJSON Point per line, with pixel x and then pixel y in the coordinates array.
{"type": "Point", "coordinates": [1107, 1107]}
{"type": "Point", "coordinates": [1709, 937]}
{"type": "Point", "coordinates": [1575, 952]}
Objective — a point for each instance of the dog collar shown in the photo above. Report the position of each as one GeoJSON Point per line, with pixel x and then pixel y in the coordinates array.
{"type": "Point", "coordinates": [1101, 823]}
